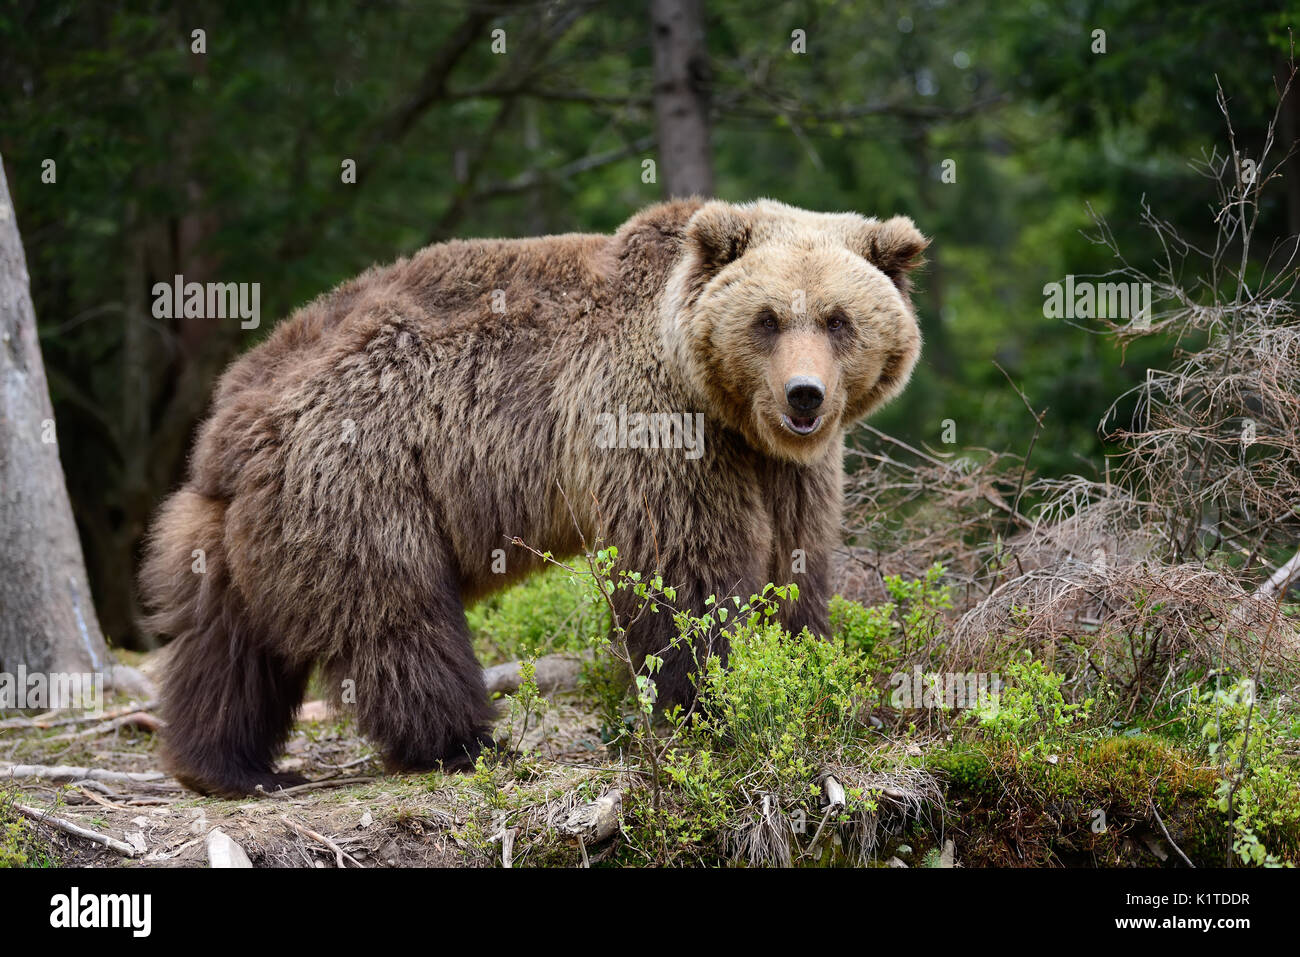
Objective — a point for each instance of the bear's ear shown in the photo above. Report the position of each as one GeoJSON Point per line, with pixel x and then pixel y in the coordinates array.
{"type": "Point", "coordinates": [717, 234]}
{"type": "Point", "coordinates": [894, 247]}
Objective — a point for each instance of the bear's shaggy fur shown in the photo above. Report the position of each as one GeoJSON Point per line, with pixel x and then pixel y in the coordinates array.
{"type": "Point", "coordinates": [361, 467]}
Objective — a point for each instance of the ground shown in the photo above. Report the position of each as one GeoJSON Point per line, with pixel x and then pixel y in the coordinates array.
{"type": "Point", "coordinates": [802, 760]}
{"type": "Point", "coordinates": [380, 820]}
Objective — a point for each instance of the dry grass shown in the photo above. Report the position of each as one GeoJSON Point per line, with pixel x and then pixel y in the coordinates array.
{"type": "Point", "coordinates": [1159, 572]}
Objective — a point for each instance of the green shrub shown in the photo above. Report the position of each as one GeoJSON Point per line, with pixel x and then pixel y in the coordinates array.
{"type": "Point", "coordinates": [20, 845]}
{"type": "Point", "coordinates": [912, 619]}
{"type": "Point", "coordinates": [920, 604]}
{"type": "Point", "coordinates": [862, 627]}
{"type": "Point", "coordinates": [1260, 783]}
{"type": "Point", "coordinates": [1030, 711]}
{"type": "Point", "coordinates": [784, 697]}
{"type": "Point", "coordinates": [546, 613]}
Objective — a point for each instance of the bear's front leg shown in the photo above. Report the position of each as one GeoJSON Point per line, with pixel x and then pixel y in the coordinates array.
{"type": "Point", "coordinates": [807, 505]}
{"type": "Point", "coordinates": [811, 573]}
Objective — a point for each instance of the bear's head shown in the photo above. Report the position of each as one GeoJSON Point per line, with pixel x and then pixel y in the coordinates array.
{"type": "Point", "coordinates": [791, 325]}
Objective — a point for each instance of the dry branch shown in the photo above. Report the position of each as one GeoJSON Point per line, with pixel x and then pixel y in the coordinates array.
{"type": "Point", "coordinates": [553, 673]}
{"type": "Point", "coordinates": [76, 830]}
{"type": "Point", "coordinates": [1128, 623]}
{"type": "Point", "coordinates": [340, 855]}
{"type": "Point", "coordinates": [43, 723]}
{"type": "Point", "coordinates": [66, 773]}
{"type": "Point", "coordinates": [135, 719]}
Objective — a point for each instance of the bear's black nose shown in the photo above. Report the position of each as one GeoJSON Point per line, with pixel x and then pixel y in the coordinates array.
{"type": "Point", "coordinates": [804, 393]}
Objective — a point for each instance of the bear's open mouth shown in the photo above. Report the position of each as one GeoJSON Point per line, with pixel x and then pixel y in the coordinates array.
{"type": "Point", "coordinates": [800, 425]}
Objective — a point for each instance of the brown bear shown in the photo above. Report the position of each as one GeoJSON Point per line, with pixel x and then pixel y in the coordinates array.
{"type": "Point", "coordinates": [362, 469]}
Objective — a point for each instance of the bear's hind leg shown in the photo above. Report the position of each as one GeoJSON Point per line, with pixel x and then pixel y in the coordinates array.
{"type": "Point", "coordinates": [229, 705]}
{"type": "Point", "coordinates": [228, 697]}
{"type": "Point", "coordinates": [418, 691]}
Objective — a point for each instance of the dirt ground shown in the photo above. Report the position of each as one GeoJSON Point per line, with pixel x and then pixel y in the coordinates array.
{"type": "Point", "coordinates": [360, 816]}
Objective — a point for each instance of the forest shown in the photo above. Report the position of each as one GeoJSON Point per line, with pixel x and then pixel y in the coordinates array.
{"type": "Point", "coordinates": [1065, 629]}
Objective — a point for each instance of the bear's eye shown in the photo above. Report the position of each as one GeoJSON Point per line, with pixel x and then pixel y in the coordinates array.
{"type": "Point", "coordinates": [767, 319]}
{"type": "Point", "coordinates": [836, 321]}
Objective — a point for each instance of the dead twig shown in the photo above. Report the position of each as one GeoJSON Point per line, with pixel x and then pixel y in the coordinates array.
{"type": "Point", "coordinates": [76, 830]}
{"type": "Point", "coordinates": [41, 724]}
{"type": "Point", "coordinates": [104, 801]}
{"type": "Point", "coordinates": [137, 719]}
{"type": "Point", "coordinates": [1156, 812]}
{"type": "Point", "coordinates": [340, 855]}
{"type": "Point", "coordinates": [321, 785]}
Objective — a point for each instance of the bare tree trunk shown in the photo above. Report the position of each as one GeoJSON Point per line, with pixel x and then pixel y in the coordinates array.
{"type": "Point", "coordinates": [47, 620]}
{"type": "Point", "coordinates": [681, 96]}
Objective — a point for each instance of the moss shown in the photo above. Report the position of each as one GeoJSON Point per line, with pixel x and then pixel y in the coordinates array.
{"type": "Point", "coordinates": [1089, 804]}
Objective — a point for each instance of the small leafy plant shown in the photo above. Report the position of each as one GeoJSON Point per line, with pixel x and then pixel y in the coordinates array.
{"type": "Point", "coordinates": [1030, 711]}
{"type": "Point", "coordinates": [1260, 786]}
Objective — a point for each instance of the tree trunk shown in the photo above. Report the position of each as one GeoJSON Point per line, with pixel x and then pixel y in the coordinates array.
{"type": "Point", "coordinates": [681, 97]}
{"type": "Point", "coordinates": [47, 620]}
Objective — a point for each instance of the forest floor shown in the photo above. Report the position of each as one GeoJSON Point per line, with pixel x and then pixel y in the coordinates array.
{"type": "Point", "coordinates": [804, 759]}
{"type": "Point", "coordinates": [354, 814]}
{"type": "Point", "coordinates": [374, 819]}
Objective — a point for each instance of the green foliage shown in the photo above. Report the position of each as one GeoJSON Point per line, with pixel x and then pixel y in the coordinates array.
{"type": "Point", "coordinates": [909, 623]}
{"type": "Point", "coordinates": [1260, 785]}
{"type": "Point", "coordinates": [862, 627]}
{"type": "Point", "coordinates": [784, 700]}
{"type": "Point", "coordinates": [20, 845]}
{"type": "Point", "coordinates": [489, 780]}
{"type": "Point", "coordinates": [544, 614]}
{"type": "Point", "coordinates": [525, 709]}
{"type": "Point", "coordinates": [12, 834]}
{"type": "Point", "coordinates": [921, 604]}
{"type": "Point", "coordinates": [767, 723]}
{"type": "Point", "coordinates": [1030, 710]}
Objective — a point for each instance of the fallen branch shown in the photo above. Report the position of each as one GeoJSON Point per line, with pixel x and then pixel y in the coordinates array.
{"type": "Point", "coordinates": [161, 855]}
{"type": "Point", "coordinates": [12, 724]}
{"type": "Point", "coordinates": [104, 801]}
{"type": "Point", "coordinates": [1281, 579]}
{"type": "Point", "coordinates": [139, 719]}
{"type": "Point", "coordinates": [340, 855]}
{"type": "Point", "coordinates": [76, 830]}
{"type": "Point", "coordinates": [65, 773]}
{"type": "Point", "coordinates": [553, 673]}
{"type": "Point", "coordinates": [319, 785]}
{"type": "Point", "coordinates": [508, 847]}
